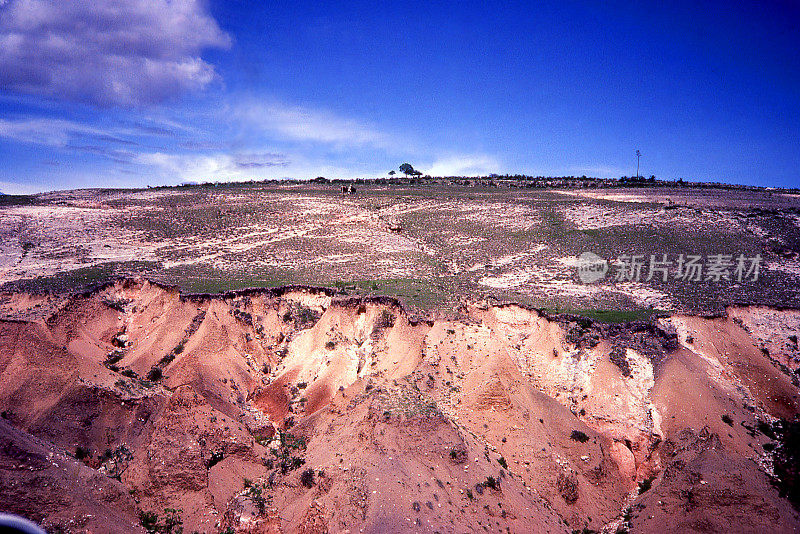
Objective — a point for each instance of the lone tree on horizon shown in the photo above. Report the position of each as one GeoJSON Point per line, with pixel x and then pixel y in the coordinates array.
{"type": "Point", "coordinates": [407, 169]}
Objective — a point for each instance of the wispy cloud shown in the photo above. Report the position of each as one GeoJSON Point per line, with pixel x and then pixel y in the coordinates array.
{"type": "Point", "coordinates": [260, 161]}
{"type": "Point", "coordinates": [464, 165]}
{"type": "Point", "coordinates": [300, 123]}
{"type": "Point", "coordinates": [113, 154]}
{"type": "Point", "coordinates": [106, 52]}
{"type": "Point", "coordinates": [224, 167]}
{"type": "Point", "coordinates": [118, 142]}
{"type": "Point", "coordinates": [47, 131]}
{"type": "Point", "coordinates": [216, 166]}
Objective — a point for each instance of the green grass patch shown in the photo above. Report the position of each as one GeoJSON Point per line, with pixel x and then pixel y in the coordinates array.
{"type": "Point", "coordinates": [612, 316]}
{"type": "Point", "coordinates": [78, 279]}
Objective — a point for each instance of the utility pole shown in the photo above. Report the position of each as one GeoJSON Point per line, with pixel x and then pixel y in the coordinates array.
{"type": "Point", "coordinates": [638, 155]}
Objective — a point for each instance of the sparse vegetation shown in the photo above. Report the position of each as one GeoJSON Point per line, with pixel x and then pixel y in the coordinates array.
{"type": "Point", "coordinates": [155, 374]}
{"type": "Point", "coordinates": [114, 357]}
{"type": "Point", "coordinates": [385, 320]}
{"type": "Point", "coordinates": [619, 358]}
{"type": "Point", "coordinates": [577, 435]}
{"type": "Point", "coordinates": [307, 478]}
{"type": "Point", "coordinates": [727, 419]}
{"type": "Point", "coordinates": [492, 482]}
{"type": "Point", "coordinates": [256, 494]}
{"type": "Point", "coordinates": [171, 523]}
{"type": "Point", "coordinates": [115, 463]}
{"type": "Point", "coordinates": [786, 460]}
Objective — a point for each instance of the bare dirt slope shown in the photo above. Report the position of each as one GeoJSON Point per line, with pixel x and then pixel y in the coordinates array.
{"type": "Point", "coordinates": [297, 410]}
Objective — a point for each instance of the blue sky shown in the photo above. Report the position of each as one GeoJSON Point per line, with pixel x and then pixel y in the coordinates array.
{"type": "Point", "coordinates": [127, 93]}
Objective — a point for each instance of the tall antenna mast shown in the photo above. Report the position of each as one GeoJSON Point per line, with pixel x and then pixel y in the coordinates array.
{"type": "Point", "coordinates": [638, 155]}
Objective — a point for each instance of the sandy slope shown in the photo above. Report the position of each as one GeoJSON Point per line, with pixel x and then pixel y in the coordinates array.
{"type": "Point", "coordinates": [292, 410]}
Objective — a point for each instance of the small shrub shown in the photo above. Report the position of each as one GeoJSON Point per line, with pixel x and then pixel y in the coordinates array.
{"type": "Point", "coordinates": [385, 320]}
{"type": "Point", "coordinates": [619, 358]}
{"type": "Point", "coordinates": [114, 357]}
{"type": "Point", "coordinates": [81, 453]}
{"type": "Point", "coordinates": [491, 482]}
{"type": "Point", "coordinates": [502, 462]}
{"type": "Point", "coordinates": [330, 345]}
{"type": "Point", "coordinates": [256, 495]}
{"type": "Point", "coordinates": [179, 348]}
{"type": "Point", "coordinates": [172, 521]}
{"type": "Point", "coordinates": [307, 317]}
{"type": "Point", "coordinates": [149, 520]}
{"type": "Point", "coordinates": [291, 464]}
{"type": "Point", "coordinates": [470, 496]}
{"type": "Point", "coordinates": [787, 461]}
{"type": "Point", "coordinates": [291, 441]}
{"type": "Point", "coordinates": [577, 435]}
{"type": "Point", "coordinates": [155, 374]}
{"type": "Point", "coordinates": [307, 478]}
{"type": "Point", "coordinates": [727, 419]}
{"type": "Point", "coordinates": [116, 462]}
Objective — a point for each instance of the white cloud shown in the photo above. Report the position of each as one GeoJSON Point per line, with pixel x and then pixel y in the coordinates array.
{"type": "Point", "coordinates": [464, 165]}
{"type": "Point", "coordinates": [223, 167]}
{"type": "Point", "coordinates": [107, 52]}
{"type": "Point", "coordinates": [44, 131]}
{"type": "Point", "coordinates": [305, 124]}
{"type": "Point", "coordinates": [216, 166]}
